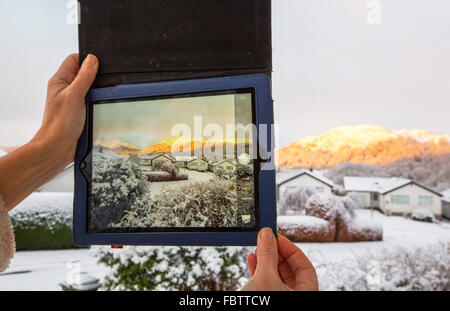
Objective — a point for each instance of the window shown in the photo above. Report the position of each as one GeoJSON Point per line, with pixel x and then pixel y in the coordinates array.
{"type": "Point", "coordinates": [229, 168]}
{"type": "Point", "coordinates": [194, 163]}
{"type": "Point", "coordinates": [202, 163]}
{"type": "Point", "coordinates": [425, 200]}
{"type": "Point", "coordinates": [362, 198]}
{"type": "Point", "coordinates": [400, 199]}
{"type": "Point", "coordinates": [375, 196]}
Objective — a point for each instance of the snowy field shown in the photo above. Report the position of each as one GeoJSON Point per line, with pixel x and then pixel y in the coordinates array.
{"type": "Point", "coordinates": [397, 232]}
{"type": "Point", "coordinates": [45, 270]}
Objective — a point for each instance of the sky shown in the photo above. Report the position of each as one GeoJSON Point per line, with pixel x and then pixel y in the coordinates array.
{"type": "Point", "coordinates": [146, 123]}
{"type": "Point", "coordinates": [331, 67]}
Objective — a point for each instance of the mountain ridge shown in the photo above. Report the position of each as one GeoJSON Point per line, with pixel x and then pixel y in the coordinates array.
{"type": "Point", "coordinates": [364, 144]}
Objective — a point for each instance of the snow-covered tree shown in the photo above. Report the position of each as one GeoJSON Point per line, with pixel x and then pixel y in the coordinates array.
{"type": "Point", "coordinates": [118, 186]}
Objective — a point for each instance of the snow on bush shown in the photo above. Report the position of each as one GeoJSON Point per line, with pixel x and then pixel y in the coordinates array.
{"type": "Point", "coordinates": [44, 210]}
{"type": "Point", "coordinates": [340, 213]}
{"type": "Point", "coordinates": [118, 185]}
{"type": "Point", "coordinates": [293, 200]}
{"type": "Point", "coordinates": [424, 215]}
{"type": "Point", "coordinates": [174, 268]}
{"type": "Point", "coordinates": [395, 269]}
{"type": "Point", "coordinates": [207, 204]}
{"type": "Point", "coordinates": [306, 229]}
{"type": "Point", "coordinates": [203, 269]}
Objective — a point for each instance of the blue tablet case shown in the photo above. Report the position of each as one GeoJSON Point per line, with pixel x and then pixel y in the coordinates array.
{"type": "Point", "coordinates": [160, 47]}
{"type": "Point", "coordinates": [267, 198]}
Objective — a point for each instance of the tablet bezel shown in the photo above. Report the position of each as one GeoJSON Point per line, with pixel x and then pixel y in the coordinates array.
{"type": "Point", "coordinates": [263, 109]}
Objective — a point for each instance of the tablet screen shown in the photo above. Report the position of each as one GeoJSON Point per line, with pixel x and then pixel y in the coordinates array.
{"type": "Point", "coordinates": [174, 163]}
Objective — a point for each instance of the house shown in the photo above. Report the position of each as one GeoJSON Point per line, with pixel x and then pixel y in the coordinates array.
{"type": "Point", "coordinates": [396, 196]}
{"type": "Point", "coordinates": [150, 159]}
{"type": "Point", "coordinates": [197, 164]}
{"type": "Point", "coordinates": [446, 204]}
{"type": "Point", "coordinates": [291, 179]}
{"type": "Point", "coordinates": [223, 166]}
{"type": "Point", "coordinates": [182, 161]}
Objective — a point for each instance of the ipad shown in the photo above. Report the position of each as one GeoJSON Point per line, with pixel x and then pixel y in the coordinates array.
{"type": "Point", "coordinates": [176, 163]}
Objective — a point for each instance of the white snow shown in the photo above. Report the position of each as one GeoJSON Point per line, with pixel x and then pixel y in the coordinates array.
{"type": "Point", "coordinates": [45, 270]}
{"type": "Point", "coordinates": [335, 262]}
{"type": "Point", "coordinates": [397, 232]}
{"type": "Point", "coordinates": [422, 214]}
{"type": "Point", "coordinates": [304, 221]}
{"type": "Point", "coordinates": [50, 209]}
{"type": "Point", "coordinates": [373, 184]}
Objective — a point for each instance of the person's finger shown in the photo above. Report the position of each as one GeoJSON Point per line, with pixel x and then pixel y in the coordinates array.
{"type": "Point", "coordinates": [251, 261]}
{"type": "Point", "coordinates": [266, 252]}
{"type": "Point", "coordinates": [64, 76]}
{"type": "Point", "coordinates": [301, 267]}
{"type": "Point", "coordinates": [286, 274]}
{"type": "Point", "coordinates": [85, 77]}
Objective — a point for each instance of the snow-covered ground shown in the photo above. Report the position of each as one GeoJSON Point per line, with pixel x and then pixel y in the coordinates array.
{"type": "Point", "coordinates": [397, 231]}
{"type": "Point", "coordinates": [45, 270]}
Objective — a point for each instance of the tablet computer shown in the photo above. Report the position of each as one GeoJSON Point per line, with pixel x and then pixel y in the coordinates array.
{"type": "Point", "coordinates": [186, 163]}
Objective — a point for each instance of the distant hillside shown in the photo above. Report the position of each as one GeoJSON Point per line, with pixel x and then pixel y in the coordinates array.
{"type": "Point", "coordinates": [362, 145]}
{"type": "Point", "coordinates": [116, 146]}
{"type": "Point", "coordinates": [184, 144]}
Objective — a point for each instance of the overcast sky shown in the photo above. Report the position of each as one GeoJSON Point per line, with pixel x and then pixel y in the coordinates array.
{"type": "Point", "coordinates": [145, 123]}
{"type": "Point", "coordinates": [331, 67]}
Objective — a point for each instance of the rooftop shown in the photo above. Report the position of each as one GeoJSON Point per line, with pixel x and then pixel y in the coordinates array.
{"type": "Point", "coordinates": [287, 175]}
{"type": "Point", "coordinates": [373, 184]}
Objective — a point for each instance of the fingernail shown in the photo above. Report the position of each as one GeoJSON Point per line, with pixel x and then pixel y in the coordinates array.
{"type": "Point", "coordinates": [267, 234]}
{"type": "Point", "coordinates": [91, 61]}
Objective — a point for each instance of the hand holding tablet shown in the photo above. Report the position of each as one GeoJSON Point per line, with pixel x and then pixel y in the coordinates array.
{"type": "Point", "coordinates": [178, 141]}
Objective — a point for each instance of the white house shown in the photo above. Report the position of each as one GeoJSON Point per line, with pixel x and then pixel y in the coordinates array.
{"type": "Point", "coordinates": [197, 164]}
{"type": "Point", "coordinates": [224, 166]}
{"type": "Point", "coordinates": [446, 204]}
{"type": "Point", "coordinates": [393, 195]}
{"type": "Point", "coordinates": [291, 179]}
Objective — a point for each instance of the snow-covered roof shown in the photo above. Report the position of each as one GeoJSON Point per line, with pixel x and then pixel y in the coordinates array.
{"type": "Point", "coordinates": [379, 184]}
{"type": "Point", "coordinates": [223, 161]}
{"type": "Point", "coordinates": [185, 158]}
{"type": "Point", "coordinates": [288, 175]}
{"type": "Point", "coordinates": [446, 195]}
{"type": "Point", "coordinates": [373, 184]}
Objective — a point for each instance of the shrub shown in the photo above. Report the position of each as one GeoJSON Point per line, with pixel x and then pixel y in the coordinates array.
{"type": "Point", "coordinates": [174, 268]}
{"type": "Point", "coordinates": [207, 204]}
{"type": "Point", "coordinates": [399, 268]}
{"type": "Point", "coordinates": [293, 201]}
{"type": "Point", "coordinates": [118, 185]}
{"type": "Point", "coordinates": [244, 172]}
{"type": "Point", "coordinates": [43, 221]}
{"type": "Point", "coordinates": [424, 215]}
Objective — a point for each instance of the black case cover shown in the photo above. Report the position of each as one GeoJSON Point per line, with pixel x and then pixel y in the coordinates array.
{"type": "Point", "coordinates": [159, 40]}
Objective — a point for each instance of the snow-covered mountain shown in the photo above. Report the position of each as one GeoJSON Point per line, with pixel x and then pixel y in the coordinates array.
{"type": "Point", "coordinates": [362, 144]}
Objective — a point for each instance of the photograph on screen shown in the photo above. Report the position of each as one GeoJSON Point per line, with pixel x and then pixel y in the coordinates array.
{"type": "Point", "coordinates": [168, 163]}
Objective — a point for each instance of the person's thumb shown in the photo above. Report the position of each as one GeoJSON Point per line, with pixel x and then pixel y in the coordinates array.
{"type": "Point", "coordinates": [266, 252]}
{"type": "Point", "coordinates": [85, 77]}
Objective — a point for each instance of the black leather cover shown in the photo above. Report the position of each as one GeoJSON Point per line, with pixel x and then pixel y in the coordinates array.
{"type": "Point", "coordinates": [159, 40]}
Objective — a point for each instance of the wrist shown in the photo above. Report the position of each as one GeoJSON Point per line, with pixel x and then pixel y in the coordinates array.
{"type": "Point", "coordinates": [60, 151]}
